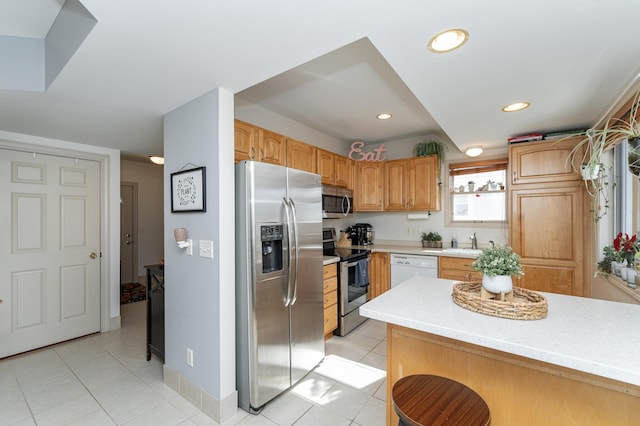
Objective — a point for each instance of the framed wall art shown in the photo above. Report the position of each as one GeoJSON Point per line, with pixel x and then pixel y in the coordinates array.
{"type": "Point", "coordinates": [188, 192]}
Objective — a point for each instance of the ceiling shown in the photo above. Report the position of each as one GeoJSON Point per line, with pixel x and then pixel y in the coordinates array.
{"type": "Point", "coordinates": [331, 65]}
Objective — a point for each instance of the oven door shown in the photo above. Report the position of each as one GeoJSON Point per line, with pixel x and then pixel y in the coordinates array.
{"type": "Point", "coordinates": [353, 292]}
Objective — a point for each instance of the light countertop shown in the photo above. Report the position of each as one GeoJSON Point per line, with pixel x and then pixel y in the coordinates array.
{"type": "Point", "coordinates": [328, 260]}
{"type": "Point", "coordinates": [419, 250]}
{"type": "Point", "coordinates": [590, 335]}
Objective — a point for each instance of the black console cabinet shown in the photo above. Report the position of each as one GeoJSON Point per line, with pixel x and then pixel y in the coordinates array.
{"type": "Point", "coordinates": [155, 310]}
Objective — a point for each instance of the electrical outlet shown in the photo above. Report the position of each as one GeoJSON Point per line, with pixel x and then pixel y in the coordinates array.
{"type": "Point", "coordinates": [409, 230]}
{"type": "Point", "coordinates": [189, 357]}
{"type": "Point", "coordinates": [189, 250]}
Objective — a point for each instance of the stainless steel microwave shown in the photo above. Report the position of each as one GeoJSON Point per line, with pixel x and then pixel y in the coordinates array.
{"type": "Point", "coordinates": [337, 202]}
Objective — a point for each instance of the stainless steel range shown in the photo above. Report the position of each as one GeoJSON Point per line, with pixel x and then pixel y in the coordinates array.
{"type": "Point", "coordinates": [353, 281]}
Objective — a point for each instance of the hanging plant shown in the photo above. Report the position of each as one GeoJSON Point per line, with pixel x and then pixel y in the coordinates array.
{"type": "Point", "coordinates": [586, 155]}
{"type": "Point", "coordinates": [431, 147]}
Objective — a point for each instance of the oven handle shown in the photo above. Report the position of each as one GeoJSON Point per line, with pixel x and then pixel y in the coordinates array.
{"type": "Point", "coordinates": [350, 264]}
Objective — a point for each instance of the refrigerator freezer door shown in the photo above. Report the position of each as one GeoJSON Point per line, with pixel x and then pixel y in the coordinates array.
{"type": "Point", "coordinates": [307, 313]}
{"type": "Point", "coordinates": [263, 319]}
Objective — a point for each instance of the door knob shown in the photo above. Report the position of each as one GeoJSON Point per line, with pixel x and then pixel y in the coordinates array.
{"type": "Point", "coordinates": [93, 256]}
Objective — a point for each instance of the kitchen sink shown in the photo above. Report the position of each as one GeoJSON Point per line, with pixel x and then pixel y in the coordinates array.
{"type": "Point", "coordinates": [473, 252]}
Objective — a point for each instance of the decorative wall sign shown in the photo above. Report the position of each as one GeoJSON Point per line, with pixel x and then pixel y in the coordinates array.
{"type": "Point", "coordinates": [357, 154]}
{"type": "Point", "coordinates": [188, 191]}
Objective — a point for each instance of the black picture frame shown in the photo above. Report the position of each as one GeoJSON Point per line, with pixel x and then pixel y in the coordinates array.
{"type": "Point", "coordinates": [188, 191]}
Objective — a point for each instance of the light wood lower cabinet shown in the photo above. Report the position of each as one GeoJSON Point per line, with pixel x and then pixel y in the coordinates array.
{"type": "Point", "coordinates": [330, 290]}
{"type": "Point", "coordinates": [457, 268]}
{"type": "Point", "coordinates": [379, 274]}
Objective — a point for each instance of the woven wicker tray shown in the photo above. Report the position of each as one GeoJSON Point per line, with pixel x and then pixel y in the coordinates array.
{"type": "Point", "coordinates": [526, 304]}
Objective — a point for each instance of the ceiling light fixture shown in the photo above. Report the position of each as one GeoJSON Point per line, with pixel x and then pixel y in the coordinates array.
{"type": "Point", "coordinates": [383, 116]}
{"type": "Point", "coordinates": [516, 106]}
{"type": "Point", "coordinates": [156, 160]}
{"type": "Point", "coordinates": [448, 40]}
{"type": "Point", "coordinates": [474, 151]}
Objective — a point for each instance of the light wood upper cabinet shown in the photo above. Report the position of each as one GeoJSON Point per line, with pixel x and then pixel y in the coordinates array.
{"type": "Point", "coordinates": [301, 156]}
{"type": "Point", "coordinates": [245, 141]}
{"type": "Point", "coordinates": [325, 166]}
{"type": "Point", "coordinates": [369, 186]}
{"type": "Point", "coordinates": [424, 188]}
{"type": "Point", "coordinates": [542, 162]}
{"type": "Point", "coordinates": [396, 184]}
{"type": "Point", "coordinates": [379, 274]}
{"type": "Point", "coordinates": [272, 147]}
{"type": "Point", "coordinates": [254, 143]}
{"type": "Point", "coordinates": [412, 184]}
{"type": "Point", "coordinates": [343, 168]}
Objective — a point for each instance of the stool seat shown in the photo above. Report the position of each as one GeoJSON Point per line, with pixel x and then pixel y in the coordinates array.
{"type": "Point", "coordinates": [426, 400]}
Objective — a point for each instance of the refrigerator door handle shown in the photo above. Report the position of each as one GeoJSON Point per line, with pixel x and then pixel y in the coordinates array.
{"type": "Point", "coordinates": [296, 251]}
{"type": "Point", "coordinates": [290, 250]}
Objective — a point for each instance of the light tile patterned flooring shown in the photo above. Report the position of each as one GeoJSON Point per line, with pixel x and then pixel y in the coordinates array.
{"type": "Point", "coordinates": [104, 379]}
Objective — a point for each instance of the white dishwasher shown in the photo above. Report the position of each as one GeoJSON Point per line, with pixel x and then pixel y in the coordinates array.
{"type": "Point", "coordinates": [405, 266]}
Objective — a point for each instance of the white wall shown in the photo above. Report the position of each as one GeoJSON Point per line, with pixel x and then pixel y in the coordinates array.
{"type": "Point", "coordinates": [150, 238]}
{"type": "Point", "coordinates": [200, 292]}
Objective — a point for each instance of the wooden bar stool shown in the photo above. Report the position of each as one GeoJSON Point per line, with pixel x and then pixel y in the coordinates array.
{"type": "Point", "coordinates": [426, 400]}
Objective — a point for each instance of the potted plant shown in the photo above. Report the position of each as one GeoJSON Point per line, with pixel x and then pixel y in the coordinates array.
{"type": "Point", "coordinates": [501, 186]}
{"type": "Point", "coordinates": [431, 240]}
{"type": "Point", "coordinates": [492, 185]}
{"type": "Point", "coordinates": [430, 147]}
{"type": "Point", "coordinates": [498, 265]}
{"type": "Point", "coordinates": [471, 184]}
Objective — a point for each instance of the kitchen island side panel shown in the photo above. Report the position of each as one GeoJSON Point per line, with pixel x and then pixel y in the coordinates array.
{"type": "Point", "coordinates": [519, 391]}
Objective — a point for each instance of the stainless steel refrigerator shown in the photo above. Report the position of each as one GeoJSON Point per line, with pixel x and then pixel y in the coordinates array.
{"type": "Point", "coordinates": [279, 297]}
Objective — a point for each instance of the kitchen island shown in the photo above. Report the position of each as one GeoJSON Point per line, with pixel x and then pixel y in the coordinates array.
{"type": "Point", "coordinates": [578, 366]}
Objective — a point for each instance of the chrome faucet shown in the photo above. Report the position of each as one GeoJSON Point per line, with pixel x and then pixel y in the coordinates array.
{"type": "Point", "coordinates": [491, 244]}
{"type": "Point", "coordinates": [474, 241]}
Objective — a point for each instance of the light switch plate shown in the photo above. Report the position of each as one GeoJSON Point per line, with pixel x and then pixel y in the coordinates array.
{"type": "Point", "coordinates": [206, 248]}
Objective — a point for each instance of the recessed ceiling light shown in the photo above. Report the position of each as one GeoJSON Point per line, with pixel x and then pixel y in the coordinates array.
{"type": "Point", "coordinates": [448, 40]}
{"type": "Point", "coordinates": [383, 116]}
{"type": "Point", "coordinates": [516, 106]}
{"type": "Point", "coordinates": [157, 160]}
{"type": "Point", "coordinates": [473, 151]}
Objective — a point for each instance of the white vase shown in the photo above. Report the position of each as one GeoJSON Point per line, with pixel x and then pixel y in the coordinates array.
{"type": "Point", "coordinates": [616, 268]}
{"type": "Point", "coordinates": [497, 284]}
{"type": "Point", "coordinates": [623, 273]}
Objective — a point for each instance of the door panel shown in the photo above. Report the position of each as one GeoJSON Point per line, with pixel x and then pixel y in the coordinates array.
{"type": "Point", "coordinates": [128, 234]}
{"type": "Point", "coordinates": [307, 313]}
{"type": "Point", "coordinates": [50, 263]}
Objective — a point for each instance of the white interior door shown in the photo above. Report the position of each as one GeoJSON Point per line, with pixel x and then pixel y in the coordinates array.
{"type": "Point", "coordinates": [50, 250]}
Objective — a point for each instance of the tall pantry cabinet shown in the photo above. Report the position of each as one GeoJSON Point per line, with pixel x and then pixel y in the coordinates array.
{"type": "Point", "coordinates": [550, 225]}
